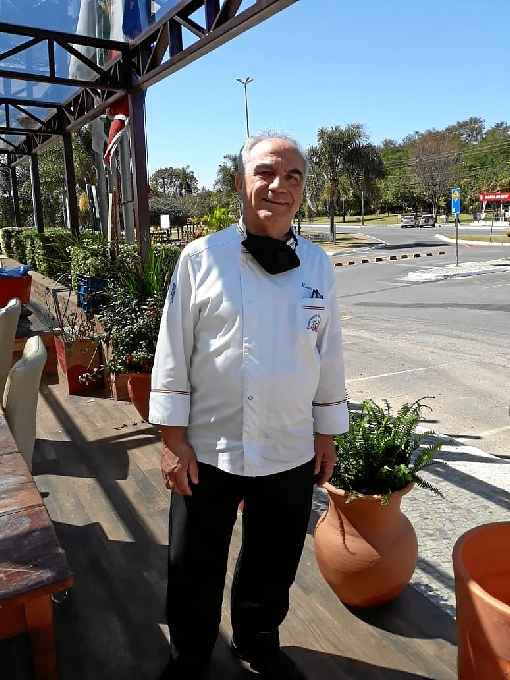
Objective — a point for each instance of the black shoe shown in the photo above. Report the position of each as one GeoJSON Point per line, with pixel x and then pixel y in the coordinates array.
{"type": "Point", "coordinates": [275, 665]}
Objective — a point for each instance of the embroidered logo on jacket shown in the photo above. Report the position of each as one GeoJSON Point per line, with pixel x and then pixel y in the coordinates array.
{"type": "Point", "coordinates": [314, 323]}
{"type": "Point", "coordinates": [172, 293]}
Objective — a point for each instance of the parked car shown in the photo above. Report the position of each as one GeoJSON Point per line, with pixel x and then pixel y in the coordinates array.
{"type": "Point", "coordinates": [427, 220]}
{"type": "Point", "coordinates": [409, 220]}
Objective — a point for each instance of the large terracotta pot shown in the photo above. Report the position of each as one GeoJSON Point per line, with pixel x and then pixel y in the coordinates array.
{"type": "Point", "coordinates": [481, 562]}
{"type": "Point", "coordinates": [366, 551]}
{"type": "Point", "coordinates": [139, 387]}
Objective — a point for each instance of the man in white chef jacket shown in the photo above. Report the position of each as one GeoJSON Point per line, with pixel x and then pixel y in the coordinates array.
{"type": "Point", "coordinates": [248, 390]}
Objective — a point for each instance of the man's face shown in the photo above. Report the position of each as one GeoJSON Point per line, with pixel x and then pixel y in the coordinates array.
{"type": "Point", "coordinates": [271, 187]}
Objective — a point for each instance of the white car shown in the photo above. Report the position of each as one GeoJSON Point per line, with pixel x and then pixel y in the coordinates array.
{"type": "Point", "coordinates": [407, 221]}
{"type": "Point", "coordinates": [427, 220]}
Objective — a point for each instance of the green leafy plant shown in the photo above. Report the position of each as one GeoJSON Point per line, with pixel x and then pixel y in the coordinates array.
{"type": "Point", "coordinates": [28, 237]}
{"type": "Point", "coordinates": [90, 257]}
{"type": "Point", "coordinates": [149, 279]}
{"type": "Point", "coordinates": [218, 218]}
{"type": "Point", "coordinates": [382, 452]}
{"type": "Point", "coordinates": [6, 240]}
{"type": "Point", "coordinates": [51, 252]}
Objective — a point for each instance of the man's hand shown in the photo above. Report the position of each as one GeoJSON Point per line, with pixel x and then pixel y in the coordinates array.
{"type": "Point", "coordinates": [178, 460]}
{"type": "Point", "coordinates": [325, 457]}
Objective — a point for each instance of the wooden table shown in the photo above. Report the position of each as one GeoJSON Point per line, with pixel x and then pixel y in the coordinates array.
{"type": "Point", "coordinates": [33, 566]}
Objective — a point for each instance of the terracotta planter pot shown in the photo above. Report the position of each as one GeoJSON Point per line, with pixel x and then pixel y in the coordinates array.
{"type": "Point", "coordinates": [367, 552]}
{"type": "Point", "coordinates": [119, 386]}
{"type": "Point", "coordinates": [139, 387]}
{"type": "Point", "coordinates": [74, 359]}
{"type": "Point", "coordinates": [481, 562]}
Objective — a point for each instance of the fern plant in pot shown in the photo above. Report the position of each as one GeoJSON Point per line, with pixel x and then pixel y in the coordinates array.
{"type": "Point", "coordinates": [366, 548]}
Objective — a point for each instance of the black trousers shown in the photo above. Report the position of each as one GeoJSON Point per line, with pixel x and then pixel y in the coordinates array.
{"type": "Point", "coordinates": [275, 519]}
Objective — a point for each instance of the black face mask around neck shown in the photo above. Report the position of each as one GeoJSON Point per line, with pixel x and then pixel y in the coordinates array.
{"type": "Point", "coordinates": [273, 255]}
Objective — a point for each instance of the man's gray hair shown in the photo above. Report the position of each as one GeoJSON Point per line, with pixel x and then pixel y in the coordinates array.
{"type": "Point", "coordinates": [251, 142]}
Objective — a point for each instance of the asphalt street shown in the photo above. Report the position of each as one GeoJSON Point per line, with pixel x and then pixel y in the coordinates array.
{"type": "Point", "coordinates": [447, 339]}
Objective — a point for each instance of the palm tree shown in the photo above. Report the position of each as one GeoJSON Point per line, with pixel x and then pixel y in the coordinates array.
{"type": "Point", "coordinates": [331, 160]}
{"type": "Point", "coordinates": [366, 167]}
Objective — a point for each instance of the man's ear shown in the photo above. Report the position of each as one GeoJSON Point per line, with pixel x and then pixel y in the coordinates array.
{"type": "Point", "coordinates": [239, 181]}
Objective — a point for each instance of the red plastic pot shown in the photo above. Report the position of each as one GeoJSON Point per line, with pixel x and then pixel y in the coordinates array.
{"type": "Point", "coordinates": [15, 287]}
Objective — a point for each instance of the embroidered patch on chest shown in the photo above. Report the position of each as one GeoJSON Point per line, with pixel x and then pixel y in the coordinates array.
{"type": "Point", "coordinates": [314, 323]}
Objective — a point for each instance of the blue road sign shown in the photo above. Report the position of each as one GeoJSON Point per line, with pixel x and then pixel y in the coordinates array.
{"type": "Point", "coordinates": [456, 201]}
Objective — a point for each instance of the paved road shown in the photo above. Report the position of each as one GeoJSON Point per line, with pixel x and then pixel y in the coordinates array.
{"type": "Point", "coordinates": [394, 235]}
{"type": "Point", "coordinates": [448, 339]}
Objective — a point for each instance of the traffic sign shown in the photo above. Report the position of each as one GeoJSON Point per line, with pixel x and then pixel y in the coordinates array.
{"type": "Point", "coordinates": [456, 201]}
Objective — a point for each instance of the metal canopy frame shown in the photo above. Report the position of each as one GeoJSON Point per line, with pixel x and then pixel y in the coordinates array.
{"type": "Point", "coordinates": [155, 54]}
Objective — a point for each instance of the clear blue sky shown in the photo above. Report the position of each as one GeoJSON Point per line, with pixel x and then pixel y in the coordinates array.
{"type": "Point", "coordinates": [395, 66]}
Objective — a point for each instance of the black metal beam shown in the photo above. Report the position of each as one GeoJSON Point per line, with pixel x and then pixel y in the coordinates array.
{"type": "Point", "coordinates": [4, 130]}
{"type": "Point", "coordinates": [212, 9]}
{"type": "Point", "coordinates": [228, 10]}
{"type": "Point", "coordinates": [58, 80]}
{"type": "Point", "coordinates": [15, 196]}
{"type": "Point", "coordinates": [60, 36]}
{"type": "Point", "coordinates": [43, 104]}
{"type": "Point", "coordinates": [258, 12]}
{"type": "Point", "coordinates": [70, 180]}
{"type": "Point", "coordinates": [139, 161]}
{"type": "Point", "coordinates": [36, 193]}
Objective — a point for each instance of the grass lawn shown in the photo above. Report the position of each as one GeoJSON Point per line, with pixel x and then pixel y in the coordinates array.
{"type": "Point", "coordinates": [375, 220]}
{"type": "Point", "coordinates": [496, 238]}
{"type": "Point", "coordinates": [343, 241]}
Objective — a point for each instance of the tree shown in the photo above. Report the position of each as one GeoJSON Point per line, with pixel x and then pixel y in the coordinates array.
{"type": "Point", "coordinates": [434, 159]}
{"type": "Point", "coordinates": [226, 174]}
{"type": "Point", "coordinates": [365, 168]}
{"type": "Point", "coordinates": [470, 131]}
{"type": "Point", "coordinates": [174, 181]}
{"type": "Point", "coordinates": [332, 160]}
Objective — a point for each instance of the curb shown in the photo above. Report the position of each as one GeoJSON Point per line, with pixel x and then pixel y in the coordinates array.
{"type": "Point", "coordinates": [389, 258]}
{"type": "Point", "coordinates": [447, 239]}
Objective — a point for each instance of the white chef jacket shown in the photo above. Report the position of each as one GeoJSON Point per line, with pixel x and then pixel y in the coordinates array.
{"type": "Point", "coordinates": [250, 362]}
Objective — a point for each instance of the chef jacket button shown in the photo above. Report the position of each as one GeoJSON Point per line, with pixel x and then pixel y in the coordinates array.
{"type": "Point", "coordinates": [250, 397]}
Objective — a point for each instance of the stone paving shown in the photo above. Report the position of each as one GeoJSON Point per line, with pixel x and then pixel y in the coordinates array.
{"type": "Point", "coordinates": [476, 488]}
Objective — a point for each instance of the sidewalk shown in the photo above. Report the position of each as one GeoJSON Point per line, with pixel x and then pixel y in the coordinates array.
{"type": "Point", "coordinates": [476, 489]}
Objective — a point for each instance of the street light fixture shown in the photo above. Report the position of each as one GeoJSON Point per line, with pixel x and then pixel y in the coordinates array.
{"type": "Point", "coordinates": [245, 83]}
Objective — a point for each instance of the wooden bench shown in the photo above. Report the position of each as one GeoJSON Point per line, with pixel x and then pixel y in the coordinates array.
{"type": "Point", "coordinates": [33, 566]}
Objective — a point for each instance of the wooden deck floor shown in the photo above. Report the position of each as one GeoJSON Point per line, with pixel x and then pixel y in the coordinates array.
{"type": "Point", "coordinates": [98, 467]}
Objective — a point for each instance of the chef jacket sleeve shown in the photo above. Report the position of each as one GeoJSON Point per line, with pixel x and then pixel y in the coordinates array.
{"type": "Point", "coordinates": [170, 387]}
{"type": "Point", "coordinates": [330, 413]}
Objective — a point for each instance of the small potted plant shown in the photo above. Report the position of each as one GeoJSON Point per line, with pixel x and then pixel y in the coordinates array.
{"type": "Point", "coordinates": [366, 548]}
{"type": "Point", "coordinates": [76, 345]}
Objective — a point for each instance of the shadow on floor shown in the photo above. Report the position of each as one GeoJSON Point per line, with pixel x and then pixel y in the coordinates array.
{"type": "Point", "coordinates": [323, 666]}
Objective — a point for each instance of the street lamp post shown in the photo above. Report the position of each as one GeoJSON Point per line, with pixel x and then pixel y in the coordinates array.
{"type": "Point", "coordinates": [245, 83]}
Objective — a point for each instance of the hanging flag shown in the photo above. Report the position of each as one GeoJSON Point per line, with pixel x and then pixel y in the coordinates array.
{"type": "Point", "coordinates": [120, 114]}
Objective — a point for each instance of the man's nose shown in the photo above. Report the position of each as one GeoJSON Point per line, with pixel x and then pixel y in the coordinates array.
{"type": "Point", "coordinates": [277, 184]}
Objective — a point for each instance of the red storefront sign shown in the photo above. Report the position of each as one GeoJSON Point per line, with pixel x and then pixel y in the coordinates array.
{"type": "Point", "coordinates": [499, 196]}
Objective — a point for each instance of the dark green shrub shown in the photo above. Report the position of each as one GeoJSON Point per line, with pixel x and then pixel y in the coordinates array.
{"type": "Point", "coordinates": [6, 240]}
{"type": "Point", "coordinates": [90, 257]}
{"type": "Point", "coordinates": [51, 251]}
{"type": "Point", "coordinates": [28, 236]}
